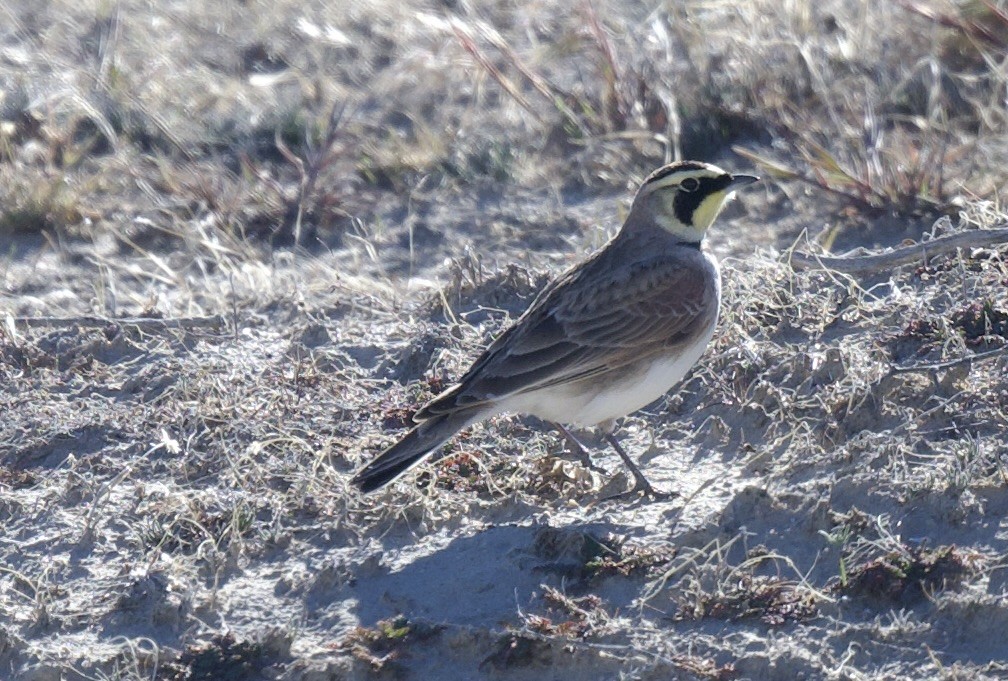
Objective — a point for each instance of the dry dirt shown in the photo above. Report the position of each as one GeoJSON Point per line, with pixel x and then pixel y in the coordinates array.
{"type": "Point", "coordinates": [243, 240]}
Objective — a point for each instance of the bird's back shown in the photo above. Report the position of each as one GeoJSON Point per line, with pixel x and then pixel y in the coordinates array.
{"type": "Point", "coordinates": [624, 317]}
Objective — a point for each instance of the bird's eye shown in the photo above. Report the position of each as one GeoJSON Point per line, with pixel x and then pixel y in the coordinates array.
{"type": "Point", "coordinates": [690, 184]}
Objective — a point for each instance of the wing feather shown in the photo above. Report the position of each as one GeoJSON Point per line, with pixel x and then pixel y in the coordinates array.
{"type": "Point", "coordinates": [574, 330]}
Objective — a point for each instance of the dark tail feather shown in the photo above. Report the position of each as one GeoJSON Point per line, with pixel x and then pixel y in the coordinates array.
{"type": "Point", "coordinates": [413, 447]}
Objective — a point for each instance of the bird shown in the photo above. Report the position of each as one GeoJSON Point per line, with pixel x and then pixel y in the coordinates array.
{"type": "Point", "coordinates": [607, 337]}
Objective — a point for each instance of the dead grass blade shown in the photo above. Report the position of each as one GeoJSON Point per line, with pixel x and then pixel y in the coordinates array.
{"type": "Point", "coordinates": [982, 20]}
{"type": "Point", "coordinates": [880, 185]}
{"type": "Point", "coordinates": [311, 165]}
{"type": "Point", "coordinates": [470, 46]}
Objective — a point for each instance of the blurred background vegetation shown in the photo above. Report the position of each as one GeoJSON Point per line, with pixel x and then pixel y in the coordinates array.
{"type": "Point", "coordinates": [181, 126]}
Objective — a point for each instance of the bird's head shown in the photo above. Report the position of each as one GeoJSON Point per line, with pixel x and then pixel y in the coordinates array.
{"type": "Point", "coordinates": [685, 198]}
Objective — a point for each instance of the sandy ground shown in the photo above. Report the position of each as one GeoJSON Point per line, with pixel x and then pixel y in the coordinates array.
{"type": "Point", "coordinates": [219, 299]}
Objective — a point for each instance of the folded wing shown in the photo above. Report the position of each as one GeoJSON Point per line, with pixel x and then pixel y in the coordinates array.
{"type": "Point", "coordinates": [572, 333]}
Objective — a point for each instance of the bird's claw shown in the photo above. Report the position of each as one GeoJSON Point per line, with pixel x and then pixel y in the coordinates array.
{"type": "Point", "coordinates": [642, 488]}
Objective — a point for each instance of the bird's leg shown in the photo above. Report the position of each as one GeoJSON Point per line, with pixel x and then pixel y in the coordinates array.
{"type": "Point", "coordinates": [641, 484]}
{"type": "Point", "coordinates": [576, 449]}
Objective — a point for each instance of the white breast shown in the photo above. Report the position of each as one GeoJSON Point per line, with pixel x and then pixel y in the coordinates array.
{"type": "Point", "coordinates": [596, 401]}
{"type": "Point", "coordinates": [639, 391]}
{"type": "Point", "coordinates": [591, 403]}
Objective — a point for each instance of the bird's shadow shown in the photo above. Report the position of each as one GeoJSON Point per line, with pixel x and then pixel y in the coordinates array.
{"type": "Point", "coordinates": [484, 579]}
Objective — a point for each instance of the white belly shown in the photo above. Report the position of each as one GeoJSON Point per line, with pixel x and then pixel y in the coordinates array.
{"type": "Point", "coordinates": [589, 403]}
{"type": "Point", "coordinates": [628, 397]}
{"type": "Point", "coordinates": [596, 401]}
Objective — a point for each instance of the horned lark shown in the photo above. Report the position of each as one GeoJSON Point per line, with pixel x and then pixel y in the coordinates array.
{"type": "Point", "coordinates": [609, 336]}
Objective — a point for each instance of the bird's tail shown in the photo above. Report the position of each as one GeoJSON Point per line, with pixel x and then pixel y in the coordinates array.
{"type": "Point", "coordinates": [414, 446]}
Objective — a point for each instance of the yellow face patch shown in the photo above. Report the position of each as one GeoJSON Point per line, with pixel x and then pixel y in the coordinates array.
{"type": "Point", "coordinates": [708, 210]}
{"type": "Point", "coordinates": [686, 198]}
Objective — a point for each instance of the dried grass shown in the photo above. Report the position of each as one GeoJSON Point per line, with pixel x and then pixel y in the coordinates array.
{"type": "Point", "coordinates": [184, 397]}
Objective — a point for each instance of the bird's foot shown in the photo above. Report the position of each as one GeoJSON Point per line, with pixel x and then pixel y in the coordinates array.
{"type": "Point", "coordinates": [642, 488]}
{"type": "Point", "coordinates": [641, 484]}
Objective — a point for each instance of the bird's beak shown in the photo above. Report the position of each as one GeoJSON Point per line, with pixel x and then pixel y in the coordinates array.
{"type": "Point", "coordinates": [742, 180]}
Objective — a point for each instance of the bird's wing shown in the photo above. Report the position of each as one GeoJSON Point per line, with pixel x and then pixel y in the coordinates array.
{"type": "Point", "coordinates": [576, 330]}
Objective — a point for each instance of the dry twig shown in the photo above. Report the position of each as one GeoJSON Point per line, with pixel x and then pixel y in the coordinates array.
{"type": "Point", "coordinates": [877, 262]}
{"type": "Point", "coordinates": [940, 366]}
{"type": "Point", "coordinates": [144, 323]}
